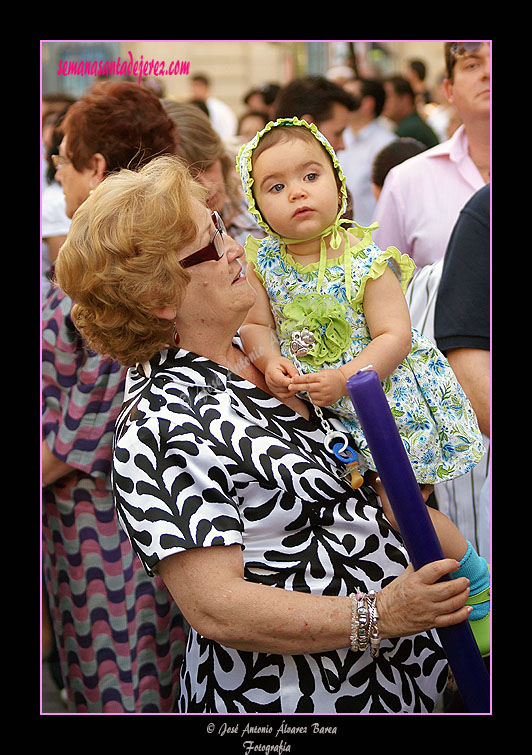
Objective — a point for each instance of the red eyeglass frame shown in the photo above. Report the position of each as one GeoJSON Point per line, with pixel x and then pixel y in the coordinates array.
{"type": "Point", "coordinates": [213, 251]}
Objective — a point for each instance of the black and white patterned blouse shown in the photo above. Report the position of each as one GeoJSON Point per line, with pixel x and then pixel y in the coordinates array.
{"type": "Point", "coordinates": [203, 457]}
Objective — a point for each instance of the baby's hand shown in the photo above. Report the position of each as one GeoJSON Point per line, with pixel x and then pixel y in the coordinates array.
{"type": "Point", "coordinates": [278, 373]}
{"type": "Point", "coordinates": [324, 387]}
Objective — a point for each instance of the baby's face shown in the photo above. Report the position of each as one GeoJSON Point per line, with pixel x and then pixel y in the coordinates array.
{"type": "Point", "coordinates": [295, 188]}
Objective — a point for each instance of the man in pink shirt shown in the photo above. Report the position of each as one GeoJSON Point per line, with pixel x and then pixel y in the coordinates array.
{"type": "Point", "coordinates": [421, 207]}
{"type": "Point", "coordinates": [422, 197]}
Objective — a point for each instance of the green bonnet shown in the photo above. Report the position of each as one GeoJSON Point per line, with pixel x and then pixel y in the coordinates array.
{"type": "Point", "coordinates": [244, 167]}
{"type": "Point", "coordinates": [336, 230]}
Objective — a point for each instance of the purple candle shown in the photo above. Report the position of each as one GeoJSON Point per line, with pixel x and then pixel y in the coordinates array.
{"type": "Point", "coordinates": [415, 526]}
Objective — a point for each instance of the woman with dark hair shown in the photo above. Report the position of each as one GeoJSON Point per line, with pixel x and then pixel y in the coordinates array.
{"type": "Point", "coordinates": [119, 634]}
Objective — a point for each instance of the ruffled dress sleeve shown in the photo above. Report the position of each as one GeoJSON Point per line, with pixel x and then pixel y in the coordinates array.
{"type": "Point", "coordinates": [81, 393]}
{"type": "Point", "coordinates": [368, 262]}
{"type": "Point", "coordinates": [251, 247]}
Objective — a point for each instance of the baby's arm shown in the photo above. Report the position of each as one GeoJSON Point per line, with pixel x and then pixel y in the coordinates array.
{"type": "Point", "coordinates": [471, 566]}
{"type": "Point", "coordinates": [388, 320]}
{"type": "Point", "coordinates": [453, 543]}
{"type": "Point", "coordinates": [259, 339]}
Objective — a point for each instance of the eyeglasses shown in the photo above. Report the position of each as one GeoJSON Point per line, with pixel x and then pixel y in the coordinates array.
{"type": "Point", "coordinates": [214, 250]}
{"type": "Point", "coordinates": [59, 161]}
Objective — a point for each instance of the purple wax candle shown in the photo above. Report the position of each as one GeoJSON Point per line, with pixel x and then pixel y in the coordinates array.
{"type": "Point", "coordinates": [415, 526]}
{"type": "Point", "coordinates": [394, 468]}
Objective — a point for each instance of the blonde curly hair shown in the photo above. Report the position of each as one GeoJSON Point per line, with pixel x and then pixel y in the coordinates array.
{"type": "Point", "coordinates": [119, 262]}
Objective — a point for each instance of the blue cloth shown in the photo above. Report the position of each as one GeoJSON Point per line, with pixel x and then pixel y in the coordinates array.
{"type": "Point", "coordinates": [475, 568]}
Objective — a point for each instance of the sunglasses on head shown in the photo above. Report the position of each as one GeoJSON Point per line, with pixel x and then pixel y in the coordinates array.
{"type": "Point", "coordinates": [214, 250]}
{"type": "Point", "coordinates": [459, 49]}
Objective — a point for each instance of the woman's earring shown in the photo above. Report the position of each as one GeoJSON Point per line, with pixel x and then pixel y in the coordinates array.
{"type": "Point", "coordinates": [176, 335]}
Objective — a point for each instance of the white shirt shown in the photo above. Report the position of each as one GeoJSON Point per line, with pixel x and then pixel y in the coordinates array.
{"type": "Point", "coordinates": [465, 500]}
{"type": "Point", "coordinates": [222, 118]}
{"type": "Point", "coordinates": [54, 222]}
{"type": "Point", "coordinates": [357, 164]}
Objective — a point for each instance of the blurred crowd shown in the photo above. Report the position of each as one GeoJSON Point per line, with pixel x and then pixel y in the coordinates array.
{"type": "Point", "coordinates": [363, 116]}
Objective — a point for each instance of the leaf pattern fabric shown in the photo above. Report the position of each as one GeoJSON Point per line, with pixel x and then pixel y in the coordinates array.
{"type": "Point", "coordinates": [204, 458]}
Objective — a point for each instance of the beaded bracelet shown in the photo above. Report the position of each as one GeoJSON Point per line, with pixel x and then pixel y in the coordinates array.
{"type": "Point", "coordinates": [364, 623]}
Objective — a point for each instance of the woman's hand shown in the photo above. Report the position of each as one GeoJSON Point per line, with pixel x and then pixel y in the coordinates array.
{"type": "Point", "coordinates": [278, 374]}
{"type": "Point", "coordinates": [416, 601]}
{"type": "Point", "coordinates": [52, 467]}
{"type": "Point", "coordinates": [229, 609]}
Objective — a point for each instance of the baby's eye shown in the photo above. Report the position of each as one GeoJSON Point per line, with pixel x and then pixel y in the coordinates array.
{"type": "Point", "coordinates": [276, 188]}
{"type": "Point", "coordinates": [311, 176]}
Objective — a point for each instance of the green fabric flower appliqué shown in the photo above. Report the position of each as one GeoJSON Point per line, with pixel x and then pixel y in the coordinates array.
{"type": "Point", "coordinates": [325, 317]}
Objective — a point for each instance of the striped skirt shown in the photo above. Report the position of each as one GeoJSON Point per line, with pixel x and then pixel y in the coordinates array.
{"type": "Point", "coordinates": [119, 634]}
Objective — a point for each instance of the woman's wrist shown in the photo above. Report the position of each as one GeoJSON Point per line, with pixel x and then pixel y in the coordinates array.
{"type": "Point", "coordinates": [52, 467]}
{"type": "Point", "coordinates": [382, 603]}
{"type": "Point", "coordinates": [396, 615]}
{"type": "Point", "coordinates": [365, 623]}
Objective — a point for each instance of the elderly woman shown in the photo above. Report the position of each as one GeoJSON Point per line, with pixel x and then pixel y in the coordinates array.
{"type": "Point", "coordinates": [230, 495]}
{"type": "Point", "coordinates": [119, 634]}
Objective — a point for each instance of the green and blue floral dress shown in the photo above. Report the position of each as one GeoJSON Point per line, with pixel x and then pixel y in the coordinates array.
{"type": "Point", "coordinates": [435, 419]}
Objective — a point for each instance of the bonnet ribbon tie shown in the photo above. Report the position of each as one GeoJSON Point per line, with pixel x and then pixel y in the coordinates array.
{"type": "Point", "coordinates": [336, 232]}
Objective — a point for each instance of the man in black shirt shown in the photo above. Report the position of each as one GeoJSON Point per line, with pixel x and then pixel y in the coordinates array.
{"type": "Point", "coordinates": [462, 314]}
{"type": "Point", "coordinates": [462, 323]}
